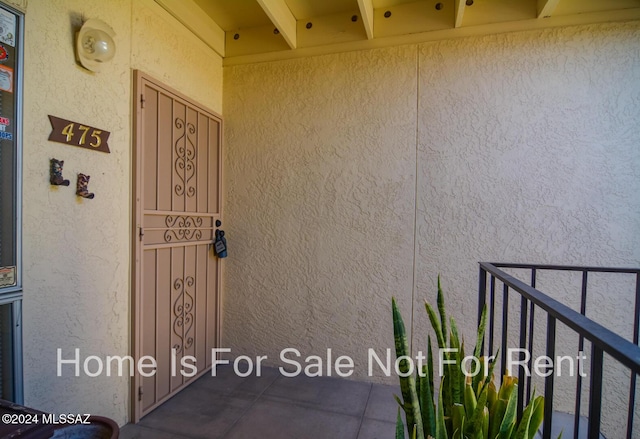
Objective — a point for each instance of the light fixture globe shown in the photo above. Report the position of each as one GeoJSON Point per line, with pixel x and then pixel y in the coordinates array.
{"type": "Point", "coordinates": [95, 45]}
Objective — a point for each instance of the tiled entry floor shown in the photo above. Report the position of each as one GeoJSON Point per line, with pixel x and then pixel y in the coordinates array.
{"type": "Point", "coordinates": [272, 407]}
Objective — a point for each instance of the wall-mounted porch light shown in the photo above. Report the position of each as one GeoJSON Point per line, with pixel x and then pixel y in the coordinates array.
{"type": "Point", "coordinates": [94, 44]}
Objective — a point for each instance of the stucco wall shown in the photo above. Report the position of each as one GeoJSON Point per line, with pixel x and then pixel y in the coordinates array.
{"type": "Point", "coordinates": [320, 171]}
{"type": "Point", "coordinates": [77, 252]}
{"type": "Point", "coordinates": [526, 150]}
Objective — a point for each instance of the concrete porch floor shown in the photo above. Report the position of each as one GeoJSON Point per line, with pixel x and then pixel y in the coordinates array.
{"type": "Point", "coordinates": [276, 407]}
{"type": "Point", "coordinates": [272, 407]}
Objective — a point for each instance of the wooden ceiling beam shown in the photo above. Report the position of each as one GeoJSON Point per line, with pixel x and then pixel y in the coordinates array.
{"type": "Point", "coordinates": [460, 5]}
{"type": "Point", "coordinates": [197, 21]}
{"type": "Point", "coordinates": [282, 18]}
{"type": "Point", "coordinates": [546, 7]}
{"type": "Point", "coordinates": [554, 21]}
{"type": "Point", "coordinates": [366, 11]}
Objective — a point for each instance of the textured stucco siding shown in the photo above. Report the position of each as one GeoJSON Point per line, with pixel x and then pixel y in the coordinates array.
{"type": "Point", "coordinates": [529, 152]}
{"type": "Point", "coordinates": [320, 171]}
{"type": "Point", "coordinates": [77, 252]}
{"type": "Point", "coordinates": [519, 147]}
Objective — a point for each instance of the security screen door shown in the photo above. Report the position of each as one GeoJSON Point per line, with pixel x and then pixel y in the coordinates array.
{"type": "Point", "coordinates": [177, 275]}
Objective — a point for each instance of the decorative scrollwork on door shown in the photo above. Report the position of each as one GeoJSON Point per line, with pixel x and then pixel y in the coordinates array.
{"type": "Point", "coordinates": [183, 228]}
{"type": "Point", "coordinates": [185, 165]}
{"type": "Point", "coordinates": [183, 313]}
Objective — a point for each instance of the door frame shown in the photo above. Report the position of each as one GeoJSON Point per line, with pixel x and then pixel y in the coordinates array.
{"type": "Point", "coordinates": [136, 227]}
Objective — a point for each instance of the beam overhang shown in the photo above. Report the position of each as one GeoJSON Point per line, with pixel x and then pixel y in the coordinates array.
{"type": "Point", "coordinates": [282, 18]}
{"type": "Point", "coordinates": [366, 11]}
{"type": "Point", "coordinates": [197, 21]}
{"type": "Point", "coordinates": [459, 6]}
{"type": "Point", "coordinates": [546, 7]}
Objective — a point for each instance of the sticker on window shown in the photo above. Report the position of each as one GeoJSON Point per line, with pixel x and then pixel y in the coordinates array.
{"type": "Point", "coordinates": [6, 78]}
{"type": "Point", "coordinates": [7, 276]}
{"type": "Point", "coordinates": [7, 28]}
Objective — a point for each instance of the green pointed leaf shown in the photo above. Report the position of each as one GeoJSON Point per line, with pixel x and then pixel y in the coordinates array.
{"type": "Point", "coordinates": [454, 371]}
{"type": "Point", "coordinates": [509, 419]}
{"type": "Point", "coordinates": [485, 423]}
{"type": "Point", "coordinates": [411, 404]}
{"type": "Point", "coordinates": [441, 310]}
{"type": "Point", "coordinates": [489, 374]}
{"type": "Point", "coordinates": [458, 416]}
{"type": "Point", "coordinates": [427, 405]}
{"type": "Point", "coordinates": [481, 330]}
{"type": "Point", "coordinates": [470, 401]}
{"type": "Point", "coordinates": [537, 417]}
{"type": "Point", "coordinates": [492, 396]}
{"type": "Point", "coordinates": [430, 362]}
{"type": "Point", "coordinates": [462, 377]}
{"type": "Point", "coordinates": [508, 386]}
{"type": "Point", "coordinates": [475, 424]}
{"type": "Point", "coordinates": [399, 426]}
{"type": "Point", "coordinates": [522, 432]}
{"type": "Point", "coordinates": [454, 332]}
{"type": "Point", "coordinates": [446, 392]}
{"type": "Point", "coordinates": [497, 415]}
{"type": "Point", "coordinates": [441, 428]}
{"type": "Point", "coordinates": [435, 323]}
{"type": "Point", "coordinates": [477, 352]}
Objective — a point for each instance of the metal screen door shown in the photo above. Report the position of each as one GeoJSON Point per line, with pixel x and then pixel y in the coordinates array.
{"type": "Point", "coordinates": [177, 276]}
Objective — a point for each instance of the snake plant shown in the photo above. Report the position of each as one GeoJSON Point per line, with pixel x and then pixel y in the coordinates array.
{"type": "Point", "coordinates": [465, 407]}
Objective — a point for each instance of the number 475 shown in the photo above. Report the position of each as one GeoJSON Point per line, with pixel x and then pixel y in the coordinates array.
{"type": "Point", "coordinates": [95, 134]}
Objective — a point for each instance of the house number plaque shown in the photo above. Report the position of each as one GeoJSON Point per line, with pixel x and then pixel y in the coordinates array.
{"type": "Point", "coordinates": [78, 134]}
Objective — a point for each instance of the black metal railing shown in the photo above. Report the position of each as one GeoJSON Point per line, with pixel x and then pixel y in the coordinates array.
{"type": "Point", "coordinates": [602, 340]}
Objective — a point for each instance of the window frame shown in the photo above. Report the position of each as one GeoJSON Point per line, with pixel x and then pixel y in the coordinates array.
{"type": "Point", "coordinates": [13, 295]}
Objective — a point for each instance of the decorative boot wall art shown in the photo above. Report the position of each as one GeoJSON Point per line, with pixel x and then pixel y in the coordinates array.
{"type": "Point", "coordinates": [56, 177]}
{"type": "Point", "coordinates": [81, 188]}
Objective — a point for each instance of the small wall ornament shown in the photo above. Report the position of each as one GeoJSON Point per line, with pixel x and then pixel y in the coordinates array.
{"type": "Point", "coordinates": [81, 187]}
{"type": "Point", "coordinates": [55, 177]}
